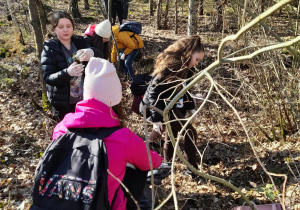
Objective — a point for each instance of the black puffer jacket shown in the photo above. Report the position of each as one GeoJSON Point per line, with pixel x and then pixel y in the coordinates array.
{"type": "Point", "coordinates": [160, 93]}
{"type": "Point", "coordinates": [54, 67]}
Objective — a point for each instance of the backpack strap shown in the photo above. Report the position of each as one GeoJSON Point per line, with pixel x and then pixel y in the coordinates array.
{"type": "Point", "coordinates": [100, 133]}
{"type": "Point", "coordinates": [133, 35]}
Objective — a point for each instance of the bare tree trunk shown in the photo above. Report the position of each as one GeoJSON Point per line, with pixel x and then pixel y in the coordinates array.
{"type": "Point", "coordinates": [70, 6]}
{"type": "Point", "coordinates": [158, 14]}
{"type": "Point", "coordinates": [166, 15]}
{"type": "Point", "coordinates": [38, 36]}
{"type": "Point", "coordinates": [201, 10]}
{"type": "Point", "coordinates": [151, 12]}
{"type": "Point", "coordinates": [191, 18]}
{"type": "Point", "coordinates": [15, 21]}
{"type": "Point", "coordinates": [239, 11]}
{"type": "Point", "coordinates": [262, 6]}
{"type": "Point", "coordinates": [219, 21]}
{"type": "Point", "coordinates": [176, 17]}
{"type": "Point", "coordinates": [86, 5]}
{"type": "Point", "coordinates": [75, 10]}
{"type": "Point", "coordinates": [42, 17]}
{"type": "Point", "coordinates": [109, 6]}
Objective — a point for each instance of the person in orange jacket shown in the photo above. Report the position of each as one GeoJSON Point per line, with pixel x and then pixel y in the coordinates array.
{"type": "Point", "coordinates": [128, 44]}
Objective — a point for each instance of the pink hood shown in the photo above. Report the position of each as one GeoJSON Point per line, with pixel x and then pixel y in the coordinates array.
{"type": "Point", "coordinates": [123, 146]}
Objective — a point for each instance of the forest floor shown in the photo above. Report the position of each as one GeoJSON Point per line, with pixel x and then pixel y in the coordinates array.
{"type": "Point", "coordinates": [25, 131]}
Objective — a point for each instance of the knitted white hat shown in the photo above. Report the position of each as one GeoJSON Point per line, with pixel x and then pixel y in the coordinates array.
{"type": "Point", "coordinates": [101, 82]}
{"type": "Point", "coordinates": [103, 29]}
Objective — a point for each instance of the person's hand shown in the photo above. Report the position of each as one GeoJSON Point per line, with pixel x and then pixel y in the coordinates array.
{"type": "Point", "coordinates": [124, 20]}
{"type": "Point", "coordinates": [86, 54]}
{"type": "Point", "coordinates": [157, 126]}
{"type": "Point", "coordinates": [122, 56]}
{"type": "Point", "coordinates": [75, 69]}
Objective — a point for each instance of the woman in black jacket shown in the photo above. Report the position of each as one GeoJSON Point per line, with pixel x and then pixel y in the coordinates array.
{"type": "Point", "coordinates": [172, 67]}
{"type": "Point", "coordinates": [63, 76]}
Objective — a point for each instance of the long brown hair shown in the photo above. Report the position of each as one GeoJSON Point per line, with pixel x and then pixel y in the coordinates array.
{"type": "Point", "coordinates": [118, 109]}
{"type": "Point", "coordinates": [173, 62]}
{"type": "Point", "coordinates": [55, 17]}
{"type": "Point", "coordinates": [97, 42]}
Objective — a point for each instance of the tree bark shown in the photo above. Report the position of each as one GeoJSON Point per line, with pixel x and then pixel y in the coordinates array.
{"type": "Point", "coordinates": [158, 14]}
{"type": "Point", "coordinates": [176, 17]}
{"type": "Point", "coordinates": [219, 21]}
{"type": "Point", "coordinates": [42, 17]}
{"type": "Point", "coordinates": [75, 10]}
{"type": "Point", "coordinates": [166, 15]}
{"type": "Point", "coordinates": [38, 35]}
{"type": "Point", "coordinates": [86, 5]}
{"type": "Point", "coordinates": [151, 13]}
{"type": "Point", "coordinates": [191, 18]}
{"type": "Point", "coordinates": [201, 10]}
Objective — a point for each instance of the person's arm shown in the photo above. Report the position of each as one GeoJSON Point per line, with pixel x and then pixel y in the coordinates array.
{"type": "Point", "coordinates": [137, 153]}
{"type": "Point", "coordinates": [140, 41]}
{"type": "Point", "coordinates": [156, 93]}
{"type": "Point", "coordinates": [51, 74]}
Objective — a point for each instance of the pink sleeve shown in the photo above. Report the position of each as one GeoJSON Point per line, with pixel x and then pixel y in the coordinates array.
{"type": "Point", "coordinates": [137, 154]}
{"type": "Point", "coordinates": [59, 130]}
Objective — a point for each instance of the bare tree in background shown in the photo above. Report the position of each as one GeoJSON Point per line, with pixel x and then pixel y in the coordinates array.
{"type": "Point", "coordinates": [219, 22]}
{"type": "Point", "coordinates": [151, 12]}
{"type": "Point", "coordinates": [158, 14]}
{"type": "Point", "coordinates": [15, 21]}
{"type": "Point", "coordinates": [42, 17]}
{"type": "Point", "coordinates": [200, 8]}
{"type": "Point", "coordinates": [38, 34]}
{"type": "Point", "coordinates": [176, 17]}
{"type": "Point", "coordinates": [166, 15]}
{"type": "Point", "coordinates": [86, 5]}
{"type": "Point", "coordinates": [75, 10]}
{"type": "Point", "coordinates": [191, 18]}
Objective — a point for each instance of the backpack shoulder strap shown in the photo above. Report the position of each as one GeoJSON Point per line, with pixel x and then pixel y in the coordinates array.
{"type": "Point", "coordinates": [100, 132]}
{"type": "Point", "coordinates": [133, 36]}
{"type": "Point", "coordinates": [105, 132]}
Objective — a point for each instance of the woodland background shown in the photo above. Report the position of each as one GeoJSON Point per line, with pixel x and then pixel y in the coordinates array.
{"type": "Point", "coordinates": [248, 125]}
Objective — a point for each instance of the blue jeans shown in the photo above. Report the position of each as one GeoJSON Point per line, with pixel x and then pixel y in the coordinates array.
{"type": "Point", "coordinates": [126, 65]}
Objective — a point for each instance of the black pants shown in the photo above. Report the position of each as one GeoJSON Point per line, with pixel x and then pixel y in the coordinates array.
{"type": "Point", "coordinates": [134, 180]}
{"type": "Point", "coordinates": [116, 9]}
{"type": "Point", "coordinates": [190, 136]}
{"type": "Point", "coordinates": [59, 113]}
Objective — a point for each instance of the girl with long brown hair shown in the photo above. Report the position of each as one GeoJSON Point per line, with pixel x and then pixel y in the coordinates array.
{"type": "Point", "coordinates": [173, 66]}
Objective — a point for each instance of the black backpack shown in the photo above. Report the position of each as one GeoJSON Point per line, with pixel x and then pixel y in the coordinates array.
{"type": "Point", "coordinates": [72, 173]}
{"type": "Point", "coordinates": [132, 26]}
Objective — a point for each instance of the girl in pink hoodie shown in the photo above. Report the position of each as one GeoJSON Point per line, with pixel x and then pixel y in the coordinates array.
{"type": "Point", "coordinates": [102, 97]}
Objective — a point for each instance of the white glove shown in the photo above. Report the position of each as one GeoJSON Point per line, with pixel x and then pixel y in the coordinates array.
{"type": "Point", "coordinates": [123, 56]}
{"type": "Point", "coordinates": [86, 54]}
{"type": "Point", "coordinates": [75, 69]}
{"type": "Point", "coordinates": [157, 126]}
